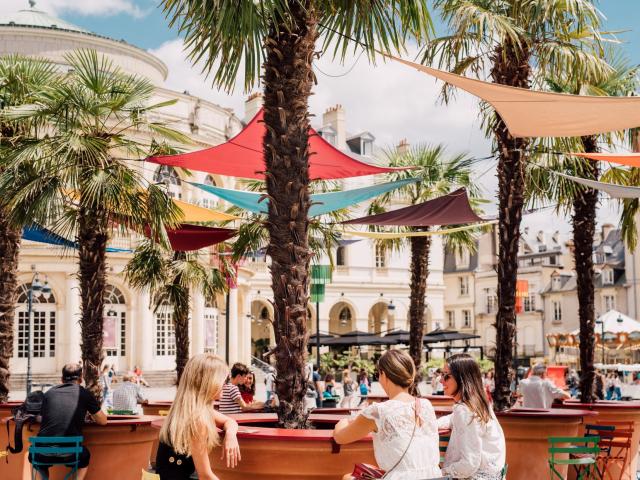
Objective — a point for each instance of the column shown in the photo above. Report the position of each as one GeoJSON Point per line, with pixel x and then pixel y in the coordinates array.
{"type": "Point", "coordinates": [197, 324]}
{"type": "Point", "coordinates": [144, 335]}
{"type": "Point", "coordinates": [233, 326]}
{"type": "Point", "coordinates": [72, 321]}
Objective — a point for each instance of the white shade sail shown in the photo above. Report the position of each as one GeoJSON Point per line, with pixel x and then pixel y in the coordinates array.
{"type": "Point", "coordinates": [615, 322]}
{"type": "Point", "coordinates": [612, 189]}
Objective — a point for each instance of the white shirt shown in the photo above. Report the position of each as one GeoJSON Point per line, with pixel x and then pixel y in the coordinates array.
{"type": "Point", "coordinates": [475, 450]}
{"type": "Point", "coordinates": [395, 421]}
{"type": "Point", "coordinates": [539, 393]}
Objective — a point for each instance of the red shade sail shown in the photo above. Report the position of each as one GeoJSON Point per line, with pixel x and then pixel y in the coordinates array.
{"type": "Point", "coordinates": [194, 237]}
{"type": "Point", "coordinates": [450, 209]}
{"type": "Point", "coordinates": [630, 159]}
{"type": "Point", "coordinates": [242, 156]}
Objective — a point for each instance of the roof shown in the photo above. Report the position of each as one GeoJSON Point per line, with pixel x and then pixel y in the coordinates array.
{"type": "Point", "coordinates": [450, 264]}
{"type": "Point", "coordinates": [38, 19]}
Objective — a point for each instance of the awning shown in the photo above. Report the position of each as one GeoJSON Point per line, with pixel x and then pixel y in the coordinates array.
{"type": "Point", "coordinates": [450, 209]}
{"type": "Point", "coordinates": [438, 335]}
{"type": "Point", "coordinates": [629, 159]}
{"type": "Point", "coordinates": [194, 237]}
{"type": "Point", "coordinates": [357, 337]}
{"type": "Point", "coordinates": [613, 190]}
{"type": "Point", "coordinates": [321, 202]}
{"type": "Point", "coordinates": [395, 235]}
{"type": "Point", "coordinates": [194, 213]}
{"type": "Point", "coordinates": [242, 156]}
{"type": "Point", "coordinates": [530, 113]}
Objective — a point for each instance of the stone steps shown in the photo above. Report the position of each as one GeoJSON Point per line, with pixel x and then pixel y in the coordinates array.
{"type": "Point", "coordinates": [155, 378]}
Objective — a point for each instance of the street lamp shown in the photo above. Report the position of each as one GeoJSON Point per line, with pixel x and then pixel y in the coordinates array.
{"type": "Point", "coordinates": [45, 291]}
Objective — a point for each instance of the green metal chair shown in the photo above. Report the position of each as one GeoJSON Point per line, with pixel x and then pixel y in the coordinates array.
{"type": "Point", "coordinates": [585, 451]}
{"type": "Point", "coordinates": [121, 412]}
{"type": "Point", "coordinates": [56, 451]}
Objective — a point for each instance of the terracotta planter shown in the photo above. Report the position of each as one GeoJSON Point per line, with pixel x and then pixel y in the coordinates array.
{"type": "Point", "coordinates": [436, 400]}
{"type": "Point", "coordinates": [526, 432]}
{"type": "Point", "coordinates": [5, 412]}
{"type": "Point", "coordinates": [154, 408]}
{"type": "Point", "coordinates": [120, 448]}
{"type": "Point", "coordinates": [614, 411]}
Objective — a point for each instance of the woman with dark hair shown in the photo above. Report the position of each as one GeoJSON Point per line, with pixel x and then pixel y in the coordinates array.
{"type": "Point", "coordinates": [405, 436]}
{"type": "Point", "coordinates": [476, 449]}
{"type": "Point", "coordinates": [248, 388]}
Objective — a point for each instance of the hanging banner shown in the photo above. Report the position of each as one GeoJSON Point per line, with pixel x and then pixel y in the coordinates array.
{"type": "Point", "coordinates": [522, 292]}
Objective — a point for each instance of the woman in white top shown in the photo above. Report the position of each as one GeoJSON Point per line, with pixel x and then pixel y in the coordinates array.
{"type": "Point", "coordinates": [405, 435]}
{"type": "Point", "coordinates": [476, 449]}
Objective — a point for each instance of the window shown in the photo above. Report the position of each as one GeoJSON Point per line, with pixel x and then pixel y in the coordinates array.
{"type": "Point", "coordinates": [381, 256]}
{"type": "Point", "coordinates": [367, 147]}
{"type": "Point", "coordinates": [609, 302]}
{"type": "Point", "coordinates": [345, 316]}
{"type": "Point", "coordinates": [43, 338]}
{"type": "Point", "coordinates": [165, 333]}
{"type": "Point", "coordinates": [462, 259]}
{"type": "Point", "coordinates": [466, 318]}
{"type": "Point", "coordinates": [168, 176]}
{"type": "Point", "coordinates": [607, 277]}
{"type": "Point", "coordinates": [491, 301]}
{"type": "Point", "coordinates": [208, 200]}
{"type": "Point", "coordinates": [115, 321]}
{"type": "Point", "coordinates": [211, 325]}
{"type": "Point", "coordinates": [463, 283]}
{"type": "Point", "coordinates": [451, 319]}
{"type": "Point", "coordinates": [341, 256]}
{"type": "Point", "coordinates": [557, 311]}
{"type": "Point", "coordinates": [530, 300]}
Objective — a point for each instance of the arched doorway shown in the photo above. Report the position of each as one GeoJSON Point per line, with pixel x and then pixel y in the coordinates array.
{"type": "Point", "coordinates": [261, 328]}
{"type": "Point", "coordinates": [44, 331]}
{"type": "Point", "coordinates": [381, 318]}
{"type": "Point", "coordinates": [114, 328]}
{"type": "Point", "coordinates": [341, 318]}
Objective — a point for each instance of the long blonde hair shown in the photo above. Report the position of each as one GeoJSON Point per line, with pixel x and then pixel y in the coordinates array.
{"type": "Point", "coordinates": [192, 411]}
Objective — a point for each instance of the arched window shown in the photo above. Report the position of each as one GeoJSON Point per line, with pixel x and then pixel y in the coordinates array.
{"type": "Point", "coordinates": [114, 323]}
{"type": "Point", "coordinates": [208, 200]}
{"type": "Point", "coordinates": [168, 176]}
{"type": "Point", "coordinates": [341, 256]}
{"type": "Point", "coordinates": [165, 331]}
{"type": "Point", "coordinates": [43, 336]}
{"type": "Point", "coordinates": [264, 313]}
{"type": "Point", "coordinates": [344, 316]}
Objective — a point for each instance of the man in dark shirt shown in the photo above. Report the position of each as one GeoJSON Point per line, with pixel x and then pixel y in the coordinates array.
{"type": "Point", "coordinates": [63, 411]}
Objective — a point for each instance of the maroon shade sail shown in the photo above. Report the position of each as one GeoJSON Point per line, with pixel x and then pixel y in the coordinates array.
{"type": "Point", "coordinates": [450, 209]}
{"type": "Point", "coordinates": [194, 237]}
{"type": "Point", "coordinates": [242, 156]}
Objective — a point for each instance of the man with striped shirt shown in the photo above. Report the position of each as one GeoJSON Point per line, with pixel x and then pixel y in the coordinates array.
{"type": "Point", "coordinates": [127, 396]}
{"type": "Point", "coordinates": [231, 400]}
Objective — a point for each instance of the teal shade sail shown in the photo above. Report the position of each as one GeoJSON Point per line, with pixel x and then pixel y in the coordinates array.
{"type": "Point", "coordinates": [321, 202]}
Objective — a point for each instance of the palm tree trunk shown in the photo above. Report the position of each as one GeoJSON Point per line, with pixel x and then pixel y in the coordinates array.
{"type": "Point", "coordinates": [92, 243]}
{"type": "Point", "coordinates": [420, 247]}
{"type": "Point", "coordinates": [181, 322]}
{"type": "Point", "coordinates": [584, 226]}
{"type": "Point", "coordinates": [288, 78]}
{"type": "Point", "coordinates": [510, 67]}
{"type": "Point", "coordinates": [9, 249]}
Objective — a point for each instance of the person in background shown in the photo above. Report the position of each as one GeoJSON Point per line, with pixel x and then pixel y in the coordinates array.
{"type": "Point", "coordinates": [127, 395]}
{"type": "Point", "coordinates": [437, 386]}
{"type": "Point", "coordinates": [617, 386]}
{"type": "Point", "coordinates": [190, 431]}
{"type": "Point", "coordinates": [139, 378]}
{"type": "Point", "coordinates": [318, 384]}
{"type": "Point", "coordinates": [270, 384]}
{"type": "Point", "coordinates": [64, 408]}
{"type": "Point", "coordinates": [348, 389]}
{"type": "Point", "coordinates": [476, 448]}
{"type": "Point", "coordinates": [105, 381]}
{"type": "Point", "coordinates": [539, 392]}
{"type": "Point", "coordinates": [405, 434]}
{"type": "Point", "coordinates": [363, 386]}
{"type": "Point", "coordinates": [248, 388]}
{"type": "Point", "coordinates": [231, 400]}
{"type": "Point", "coordinates": [573, 382]}
{"type": "Point", "coordinates": [598, 385]}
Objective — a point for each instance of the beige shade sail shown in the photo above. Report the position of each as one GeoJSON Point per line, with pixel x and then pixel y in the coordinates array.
{"type": "Point", "coordinates": [530, 113]}
{"type": "Point", "coordinates": [612, 189]}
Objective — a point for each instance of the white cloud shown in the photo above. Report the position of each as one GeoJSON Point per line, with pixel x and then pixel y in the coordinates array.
{"type": "Point", "coordinates": [82, 7]}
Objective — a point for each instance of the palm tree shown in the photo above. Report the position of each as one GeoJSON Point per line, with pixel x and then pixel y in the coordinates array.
{"type": "Point", "coordinates": [171, 277]}
{"type": "Point", "coordinates": [279, 38]}
{"type": "Point", "coordinates": [621, 80]}
{"type": "Point", "coordinates": [73, 178]}
{"type": "Point", "coordinates": [21, 79]}
{"type": "Point", "coordinates": [520, 42]}
{"type": "Point", "coordinates": [439, 175]}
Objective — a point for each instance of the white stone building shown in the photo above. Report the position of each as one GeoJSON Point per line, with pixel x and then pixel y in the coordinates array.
{"type": "Point", "coordinates": [366, 282]}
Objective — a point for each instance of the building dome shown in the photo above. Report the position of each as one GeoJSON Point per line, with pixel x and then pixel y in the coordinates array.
{"type": "Point", "coordinates": [31, 17]}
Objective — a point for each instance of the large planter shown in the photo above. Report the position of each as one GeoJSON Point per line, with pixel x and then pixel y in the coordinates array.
{"type": "Point", "coordinates": [614, 411]}
{"type": "Point", "coordinates": [121, 449]}
{"type": "Point", "coordinates": [154, 408]}
{"type": "Point", "coordinates": [436, 400]}
{"type": "Point", "coordinates": [526, 432]}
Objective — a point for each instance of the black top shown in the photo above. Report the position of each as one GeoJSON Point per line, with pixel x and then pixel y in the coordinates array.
{"type": "Point", "coordinates": [171, 466]}
{"type": "Point", "coordinates": [64, 408]}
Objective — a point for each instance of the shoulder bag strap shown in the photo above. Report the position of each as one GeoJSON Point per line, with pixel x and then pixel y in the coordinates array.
{"type": "Point", "coordinates": [416, 408]}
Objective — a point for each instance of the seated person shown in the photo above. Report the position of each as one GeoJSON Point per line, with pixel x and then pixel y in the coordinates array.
{"type": "Point", "coordinates": [64, 408]}
{"type": "Point", "coordinates": [248, 388]}
{"type": "Point", "coordinates": [231, 400]}
{"type": "Point", "coordinates": [127, 396]}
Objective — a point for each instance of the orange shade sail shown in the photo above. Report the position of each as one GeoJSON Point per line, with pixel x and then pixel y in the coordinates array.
{"type": "Point", "coordinates": [629, 159]}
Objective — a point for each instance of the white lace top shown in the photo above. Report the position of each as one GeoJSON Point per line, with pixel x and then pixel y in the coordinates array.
{"type": "Point", "coordinates": [475, 451]}
{"type": "Point", "coordinates": [394, 424]}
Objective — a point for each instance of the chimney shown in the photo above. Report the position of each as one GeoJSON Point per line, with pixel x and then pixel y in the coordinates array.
{"type": "Point", "coordinates": [403, 146]}
{"type": "Point", "coordinates": [606, 229]}
{"type": "Point", "coordinates": [556, 237]}
{"type": "Point", "coordinates": [252, 105]}
{"type": "Point", "coordinates": [540, 237]}
{"type": "Point", "coordinates": [335, 118]}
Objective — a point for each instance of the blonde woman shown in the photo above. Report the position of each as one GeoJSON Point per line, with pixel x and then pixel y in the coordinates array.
{"type": "Point", "coordinates": [476, 449]}
{"type": "Point", "coordinates": [348, 389]}
{"type": "Point", "coordinates": [190, 430]}
{"type": "Point", "coordinates": [405, 436]}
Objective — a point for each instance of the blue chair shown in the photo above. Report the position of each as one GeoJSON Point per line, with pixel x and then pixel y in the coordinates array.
{"type": "Point", "coordinates": [66, 449]}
